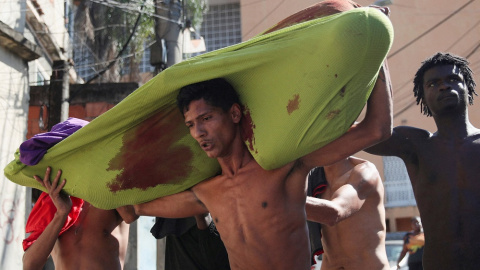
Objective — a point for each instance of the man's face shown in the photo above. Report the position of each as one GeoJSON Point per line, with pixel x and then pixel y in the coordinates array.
{"type": "Point", "coordinates": [444, 89]}
{"type": "Point", "coordinates": [213, 128]}
{"type": "Point", "coordinates": [416, 224]}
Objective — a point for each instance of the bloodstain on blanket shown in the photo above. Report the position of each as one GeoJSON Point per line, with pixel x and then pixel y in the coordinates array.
{"type": "Point", "coordinates": [293, 104]}
{"type": "Point", "coordinates": [248, 128]}
{"type": "Point", "coordinates": [333, 114]}
{"type": "Point", "coordinates": [148, 157]}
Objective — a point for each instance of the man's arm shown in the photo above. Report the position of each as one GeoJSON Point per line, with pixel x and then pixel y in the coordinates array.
{"type": "Point", "coordinates": [375, 127]}
{"type": "Point", "coordinates": [127, 213]}
{"type": "Point", "coordinates": [403, 253]}
{"type": "Point", "coordinates": [203, 221]}
{"type": "Point", "coordinates": [347, 200]}
{"type": "Point", "coordinates": [37, 254]}
{"type": "Point", "coordinates": [180, 205]}
{"type": "Point", "coordinates": [401, 143]}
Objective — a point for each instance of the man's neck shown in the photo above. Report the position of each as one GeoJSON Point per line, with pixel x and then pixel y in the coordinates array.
{"type": "Point", "coordinates": [454, 126]}
{"type": "Point", "coordinates": [237, 159]}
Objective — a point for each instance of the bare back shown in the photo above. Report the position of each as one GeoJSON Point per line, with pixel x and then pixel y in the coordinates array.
{"type": "Point", "coordinates": [357, 242]}
{"type": "Point", "coordinates": [260, 216]}
{"type": "Point", "coordinates": [97, 240]}
{"type": "Point", "coordinates": [445, 177]}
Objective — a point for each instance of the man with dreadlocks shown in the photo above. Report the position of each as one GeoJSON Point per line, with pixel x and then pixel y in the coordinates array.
{"type": "Point", "coordinates": [443, 166]}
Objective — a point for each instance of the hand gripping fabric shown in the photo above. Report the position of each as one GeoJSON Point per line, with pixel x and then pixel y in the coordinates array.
{"type": "Point", "coordinates": [301, 86]}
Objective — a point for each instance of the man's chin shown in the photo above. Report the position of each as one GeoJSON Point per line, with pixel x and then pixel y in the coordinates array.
{"type": "Point", "coordinates": [210, 154]}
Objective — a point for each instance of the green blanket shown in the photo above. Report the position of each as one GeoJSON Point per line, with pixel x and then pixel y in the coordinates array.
{"type": "Point", "coordinates": [301, 87]}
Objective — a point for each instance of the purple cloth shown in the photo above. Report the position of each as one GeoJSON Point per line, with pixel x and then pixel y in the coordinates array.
{"type": "Point", "coordinates": [33, 150]}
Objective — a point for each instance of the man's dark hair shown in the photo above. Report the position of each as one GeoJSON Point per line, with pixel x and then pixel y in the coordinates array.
{"type": "Point", "coordinates": [216, 92]}
{"type": "Point", "coordinates": [442, 59]}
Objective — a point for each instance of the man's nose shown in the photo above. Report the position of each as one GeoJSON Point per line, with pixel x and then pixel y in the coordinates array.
{"type": "Point", "coordinates": [198, 131]}
{"type": "Point", "coordinates": [444, 85]}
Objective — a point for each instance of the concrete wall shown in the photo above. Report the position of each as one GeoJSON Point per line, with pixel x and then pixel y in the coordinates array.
{"type": "Point", "coordinates": [12, 13]}
{"type": "Point", "coordinates": [13, 126]}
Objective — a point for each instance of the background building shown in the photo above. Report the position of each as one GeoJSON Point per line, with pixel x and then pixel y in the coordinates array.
{"type": "Point", "coordinates": [33, 36]}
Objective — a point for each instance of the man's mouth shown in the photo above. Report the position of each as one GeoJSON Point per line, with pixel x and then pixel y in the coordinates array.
{"type": "Point", "coordinates": [448, 96]}
{"type": "Point", "coordinates": [205, 144]}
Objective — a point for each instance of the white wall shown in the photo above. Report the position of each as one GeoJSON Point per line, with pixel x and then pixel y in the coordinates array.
{"type": "Point", "coordinates": [11, 13]}
{"type": "Point", "coordinates": [13, 129]}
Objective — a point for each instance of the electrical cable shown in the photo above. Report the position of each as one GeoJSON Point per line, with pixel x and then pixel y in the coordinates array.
{"type": "Point", "coordinates": [111, 63]}
{"type": "Point", "coordinates": [431, 29]}
{"type": "Point", "coordinates": [264, 18]}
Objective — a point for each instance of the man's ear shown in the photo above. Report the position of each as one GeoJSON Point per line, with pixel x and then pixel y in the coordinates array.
{"type": "Point", "coordinates": [236, 112]}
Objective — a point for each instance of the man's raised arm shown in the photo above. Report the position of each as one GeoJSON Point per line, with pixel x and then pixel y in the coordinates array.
{"type": "Point", "coordinates": [37, 254]}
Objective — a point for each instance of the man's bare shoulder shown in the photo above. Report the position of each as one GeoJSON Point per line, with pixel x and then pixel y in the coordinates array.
{"type": "Point", "coordinates": [365, 174]}
{"type": "Point", "coordinates": [408, 132]}
{"type": "Point", "coordinates": [361, 166]}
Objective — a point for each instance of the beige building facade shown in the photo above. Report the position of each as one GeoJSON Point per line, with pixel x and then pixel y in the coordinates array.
{"type": "Point", "coordinates": [421, 29]}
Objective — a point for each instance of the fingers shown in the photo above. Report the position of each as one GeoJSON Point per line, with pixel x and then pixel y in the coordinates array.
{"type": "Point", "coordinates": [45, 181]}
{"type": "Point", "coordinates": [53, 186]}
{"type": "Point", "coordinates": [385, 10]}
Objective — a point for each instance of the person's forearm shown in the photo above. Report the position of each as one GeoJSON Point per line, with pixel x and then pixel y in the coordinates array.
{"type": "Point", "coordinates": [203, 221]}
{"type": "Point", "coordinates": [402, 255]}
{"type": "Point", "coordinates": [127, 213]}
{"type": "Point", "coordinates": [37, 254]}
{"type": "Point", "coordinates": [379, 113]}
{"type": "Point", "coordinates": [321, 211]}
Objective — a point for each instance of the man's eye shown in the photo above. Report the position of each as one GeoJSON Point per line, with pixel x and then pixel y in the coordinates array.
{"type": "Point", "coordinates": [207, 118]}
{"type": "Point", "coordinates": [454, 79]}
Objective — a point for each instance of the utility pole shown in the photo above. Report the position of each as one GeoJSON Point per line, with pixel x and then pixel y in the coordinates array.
{"type": "Point", "coordinates": [59, 90]}
{"type": "Point", "coordinates": [58, 82]}
{"type": "Point", "coordinates": [168, 26]}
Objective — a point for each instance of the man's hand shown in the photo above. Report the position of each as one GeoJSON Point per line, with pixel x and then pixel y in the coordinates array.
{"type": "Point", "coordinates": [385, 10]}
{"type": "Point", "coordinates": [62, 201]}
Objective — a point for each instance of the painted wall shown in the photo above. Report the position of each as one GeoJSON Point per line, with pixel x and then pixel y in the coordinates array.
{"type": "Point", "coordinates": [13, 126]}
{"type": "Point", "coordinates": [12, 14]}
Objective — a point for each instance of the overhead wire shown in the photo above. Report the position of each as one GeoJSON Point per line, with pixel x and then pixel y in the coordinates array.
{"type": "Point", "coordinates": [408, 96]}
{"type": "Point", "coordinates": [264, 18]}
{"type": "Point", "coordinates": [413, 102]}
{"type": "Point", "coordinates": [111, 63]}
{"type": "Point", "coordinates": [430, 29]}
{"type": "Point", "coordinates": [131, 9]}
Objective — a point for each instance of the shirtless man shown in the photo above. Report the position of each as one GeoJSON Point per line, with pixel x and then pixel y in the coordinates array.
{"type": "Point", "coordinates": [97, 240]}
{"type": "Point", "coordinates": [443, 166]}
{"type": "Point", "coordinates": [260, 214]}
{"type": "Point", "coordinates": [351, 211]}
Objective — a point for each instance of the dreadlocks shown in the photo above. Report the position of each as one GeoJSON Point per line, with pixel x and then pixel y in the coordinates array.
{"type": "Point", "coordinates": [442, 59]}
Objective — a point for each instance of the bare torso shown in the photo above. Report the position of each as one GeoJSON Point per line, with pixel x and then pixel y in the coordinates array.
{"type": "Point", "coordinates": [357, 242]}
{"type": "Point", "coordinates": [260, 216]}
{"type": "Point", "coordinates": [445, 177]}
{"type": "Point", "coordinates": [97, 240]}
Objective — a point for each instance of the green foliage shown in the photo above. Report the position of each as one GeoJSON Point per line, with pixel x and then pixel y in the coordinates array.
{"type": "Point", "coordinates": [124, 17]}
{"type": "Point", "coordinates": [195, 9]}
{"type": "Point", "coordinates": [119, 17]}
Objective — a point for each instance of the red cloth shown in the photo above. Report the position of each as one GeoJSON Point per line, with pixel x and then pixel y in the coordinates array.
{"type": "Point", "coordinates": [321, 9]}
{"type": "Point", "coordinates": [42, 214]}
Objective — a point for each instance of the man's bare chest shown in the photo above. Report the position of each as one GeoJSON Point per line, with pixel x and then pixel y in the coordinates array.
{"type": "Point", "coordinates": [437, 160]}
